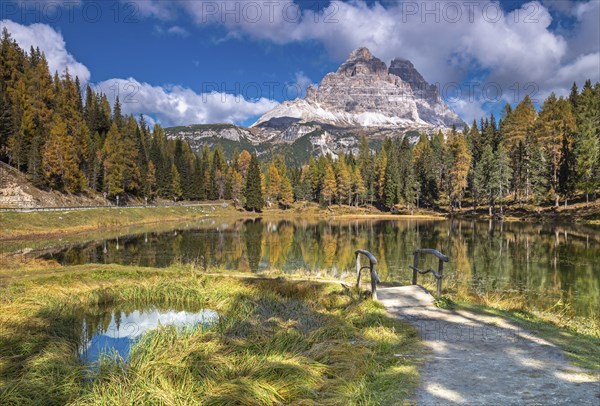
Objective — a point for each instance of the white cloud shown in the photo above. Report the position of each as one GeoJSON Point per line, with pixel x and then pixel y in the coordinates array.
{"type": "Point", "coordinates": [446, 45]}
{"type": "Point", "coordinates": [299, 85]}
{"type": "Point", "coordinates": [161, 9]}
{"type": "Point", "coordinates": [177, 30]}
{"type": "Point", "coordinates": [176, 105]}
{"type": "Point", "coordinates": [468, 110]}
{"type": "Point", "coordinates": [51, 43]}
{"type": "Point", "coordinates": [174, 30]}
{"type": "Point", "coordinates": [172, 105]}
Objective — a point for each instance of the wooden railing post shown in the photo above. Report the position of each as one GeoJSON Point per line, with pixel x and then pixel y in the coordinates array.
{"type": "Point", "coordinates": [358, 269]}
{"type": "Point", "coordinates": [415, 267]}
{"type": "Point", "coordinates": [437, 275]}
{"type": "Point", "coordinates": [374, 277]}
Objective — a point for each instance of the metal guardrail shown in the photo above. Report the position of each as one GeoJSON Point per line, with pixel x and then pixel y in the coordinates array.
{"type": "Point", "coordinates": [6, 166]}
{"type": "Point", "coordinates": [437, 275]}
{"type": "Point", "coordinates": [374, 277]}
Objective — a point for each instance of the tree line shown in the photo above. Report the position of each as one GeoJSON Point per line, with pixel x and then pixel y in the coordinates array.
{"type": "Point", "coordinates": [65, 142]}
{"type": "Point", "coordinates": [525, 157]}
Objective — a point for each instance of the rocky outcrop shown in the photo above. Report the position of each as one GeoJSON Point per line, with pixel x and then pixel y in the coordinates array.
{"type": "Point", "coordinates": [363, 92]}
{"type": "Point", "coordinates": [430, 106]}
{"type": "Point", "coordinates": [362, 97]}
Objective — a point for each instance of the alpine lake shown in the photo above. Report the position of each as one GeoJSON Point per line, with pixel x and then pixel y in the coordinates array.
{"type": "Point", "coordinates": [543, 267]}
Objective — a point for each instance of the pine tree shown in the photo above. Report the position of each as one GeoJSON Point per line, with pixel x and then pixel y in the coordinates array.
{"type": "Point", "coordinates": [114, 163]}
{"type": "Point", "coordinates": [555, 128]}
{"type": "Point", "coordinates": [358, 186]}
{"type": "Point", "coordinates": [423, 158]}
{"type": "Point", "coordinates": [587, 155]}
{"type": "Point", "coordinates": [273, 183]}
{"type": "Point", "coordinates": [392, 180]}
{"type": "Point", "coordinates": [286, 193]}
{"type": "Point", "coordinates": [519, 123]}
{"type": "Point", "coordinates": [408, 183]}
{"type": "Point", "coordinates": [217, 179]}
{"type": "Point", "coordinates": [6, 124]}
{"type": "Point", "coordinates": [150, 185]}
{"type": "Point", "coordinates": [459, 168]}
{"type": "Point", "coordinates": [329, 185]}
{"type": "Point", "coordinates": [253, 190]}
{"type": "Point", "coordinates": [379, 174]}
{"type": "Point", "coordinates": [243, 163]}
{"type": "Point", "coordinates": [176, 184]}
{"type": "Point", "coordinates": [302, 189]}
{"type": "Point", "coordinates": [316, 174]}
{"type": "Point", "coordinates": [59, 159]}
{"type": "Point", "coordinates": [237, 186]}
{"type": "Point", "coordinates": [197, 179]}
{"type": "Point", "coordinates": [486, 177]}
{"type": "Point", "coordinates": [503, 173]}
{"type": "Point", "coordinates": [587, 143]}
{"type": "Point", "coordinates": [538, 176]}
{"type": "Point", "coordinates": [117, 116]}
{"type": "Point", "coordinates": [344, 182]}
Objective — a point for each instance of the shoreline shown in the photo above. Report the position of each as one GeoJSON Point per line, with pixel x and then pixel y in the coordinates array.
{"type": "Point", "coordinates": [46, 225]}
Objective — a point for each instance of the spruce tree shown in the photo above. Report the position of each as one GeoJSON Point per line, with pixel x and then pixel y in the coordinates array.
{"type": "Point", "coordinates": [176, 190]}
{"type": "Point", "coordinates": [392, 178]}
{"type": "Point", "coordinates": [587, 155]}
{"type": "Point", "coordinates": [253, 189]}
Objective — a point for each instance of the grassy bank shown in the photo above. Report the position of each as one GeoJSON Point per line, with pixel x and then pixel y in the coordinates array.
{"type": "Point", "coordinates": [30, 225]}
{"type": "Point", "coordinates": [44, 224]}
{"type": "Point", "coordinates": [276, 341]}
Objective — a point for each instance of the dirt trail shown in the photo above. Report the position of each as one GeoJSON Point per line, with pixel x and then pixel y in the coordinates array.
{"type": "Point", "coordinates": [485, 360]}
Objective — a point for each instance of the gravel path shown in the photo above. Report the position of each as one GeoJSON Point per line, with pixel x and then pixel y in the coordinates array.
{"type": "Point", "coordinates": [478, 359]}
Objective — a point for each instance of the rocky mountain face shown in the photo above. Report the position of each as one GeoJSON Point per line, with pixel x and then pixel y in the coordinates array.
{"type": "Point", "coordinates": [364, 92]}
{"type": "Point", "coordinates": [363, 97]}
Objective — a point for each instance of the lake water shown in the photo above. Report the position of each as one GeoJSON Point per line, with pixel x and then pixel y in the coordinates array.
{"type": "Point", "coordinates": [114, 332]}
{"type": "Point", "coordinates": [545, 265]}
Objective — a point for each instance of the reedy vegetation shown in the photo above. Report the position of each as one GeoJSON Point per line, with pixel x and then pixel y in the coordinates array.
{"type": "Point", "coordinates": [276, 342]}
{"type": "Point", "coordinates": [48, 132]}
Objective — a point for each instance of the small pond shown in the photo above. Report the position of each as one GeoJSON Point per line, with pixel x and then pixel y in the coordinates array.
{"type": "Point", "coordinates": [114, 332]}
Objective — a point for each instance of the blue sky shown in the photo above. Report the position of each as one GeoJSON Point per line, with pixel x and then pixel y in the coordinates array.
{"type": "Point", "coordinates": [182, 61]}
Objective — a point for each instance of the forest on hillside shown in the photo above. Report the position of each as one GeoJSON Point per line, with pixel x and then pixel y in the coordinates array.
{"type": "Point", "coordinates": [76, 144]}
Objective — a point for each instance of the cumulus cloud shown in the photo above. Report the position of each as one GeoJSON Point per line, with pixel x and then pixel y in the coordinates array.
{"type": "Point", "coordinates": [176, 105]}
{"type": "Point", "coordinates": [177, 30]}
{"type": "Point", "coordinates": [299, 84]}
{"type": "Point", "coordinates": [174, 30]}
{"type": "Point", "coordinates": [161, 9]}
{"type": "Point", "coordinates": [51, 43]}
{"type": "Point", "coordinates": [169, 105]}
{"type": "Point", "coordinates": [446, 40]}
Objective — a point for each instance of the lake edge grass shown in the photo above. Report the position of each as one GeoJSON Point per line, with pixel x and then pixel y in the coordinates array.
{"type": "Point", "coordinates": [352, 357]}
{"type": "Point", "coordinates": [59, 223]}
